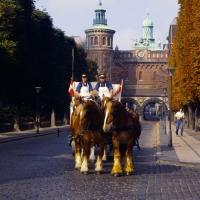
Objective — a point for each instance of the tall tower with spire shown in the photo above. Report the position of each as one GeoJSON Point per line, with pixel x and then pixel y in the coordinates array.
{"type": "Point", "coordinates": [99, 40]}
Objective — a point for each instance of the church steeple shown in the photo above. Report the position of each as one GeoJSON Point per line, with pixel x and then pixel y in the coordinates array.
{"type": "Point", "coordinates": [100, 15]}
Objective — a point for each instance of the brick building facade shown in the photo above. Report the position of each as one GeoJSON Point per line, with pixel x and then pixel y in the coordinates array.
{"type": "Point", "coordinates": [143, 68]}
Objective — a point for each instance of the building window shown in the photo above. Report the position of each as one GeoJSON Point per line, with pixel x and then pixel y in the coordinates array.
{"type": "Point", "coordinates": [140, 76]}
{"type": "Point", "coordinates": [154, 76]}
{"type": "Point", "coordinates": [91, 41]}
{"type": "Point", "coordinates": [104, 40]}
{"type": "Point", "coordinates": [161, 55]}
{"type": "Point", "coordinates": [96, 41]}
{"type": "Point", "coordinates": [149, 55]}
{"type": "Point", "coordinates": [153, 55]}
{"type": "Point", "coordinates": [108, 41]}
{"type": "Point", "coordinates": [157, 55]}
{"type": "Point", "coordinates": [166, 55]}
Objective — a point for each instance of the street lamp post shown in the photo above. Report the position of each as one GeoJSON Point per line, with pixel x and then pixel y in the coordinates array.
{"type": "Point", "coordinates": [170, 73]}
{"type": "Point", "coordinates": [164, 111]}
{"type": "Point", "coordinates": [37, 91]}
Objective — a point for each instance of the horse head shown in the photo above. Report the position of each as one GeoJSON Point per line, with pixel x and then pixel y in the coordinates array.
{"type": "Point", "coordinates": [115, 115]}
{"type": "Point", "coordinates": [90, 115]}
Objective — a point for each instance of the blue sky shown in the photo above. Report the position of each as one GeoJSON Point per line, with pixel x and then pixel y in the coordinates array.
{"type": "Point", "coordinates": [124, 16]}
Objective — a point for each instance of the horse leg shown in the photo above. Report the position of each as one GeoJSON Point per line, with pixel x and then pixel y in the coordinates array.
{"type": "Point", "coordinates": [78, 160]}
{"type": "Point", "coordinates": [92, 157]}
{"type": "Point", "coordinates": [117, 169]}
{"type": "Point", "coordinates": [123, 148]}
{"type": "Point", "coordinates": [86, 152]}
{"type": "Point", "coordinates": [99, 163]}
{"type": "Point", "coordinates": [129, 165]}
{"type": "Point", "coordinates": [105, 153]}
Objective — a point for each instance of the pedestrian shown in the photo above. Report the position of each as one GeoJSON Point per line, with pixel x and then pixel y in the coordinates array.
{"type": "Point", "coordinates": [103, 87]}
{"type": "Point", "coordinates": [84, 88]}
{"type": "Point", "coordinates": [179, 121]}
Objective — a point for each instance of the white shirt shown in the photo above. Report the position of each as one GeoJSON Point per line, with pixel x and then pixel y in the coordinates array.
{"type": "Point", "coordinates": [180, 115]}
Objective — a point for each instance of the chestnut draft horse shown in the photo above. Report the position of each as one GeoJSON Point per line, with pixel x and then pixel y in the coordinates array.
{"type": "Point", "coordinates": [74, 129]}
{"type": "Point", "coordinates": [89, 130]}
{"type": "Point", "coordinates": [126, 129]}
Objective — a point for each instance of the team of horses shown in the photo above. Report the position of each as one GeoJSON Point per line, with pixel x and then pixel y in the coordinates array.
{"type": "Point", "coordinates": [92, 124]}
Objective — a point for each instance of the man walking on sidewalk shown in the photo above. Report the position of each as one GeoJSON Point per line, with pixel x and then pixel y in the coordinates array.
{"type": "Point", "coordinates": [179, 121]}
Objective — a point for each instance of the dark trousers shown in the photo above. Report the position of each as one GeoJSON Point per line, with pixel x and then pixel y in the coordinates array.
{"type": "Point", "coordinates": [179, 124]}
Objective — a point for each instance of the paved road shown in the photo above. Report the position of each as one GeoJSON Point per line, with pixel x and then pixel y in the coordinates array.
{"type": "Point", "coordinates": [43, 168]}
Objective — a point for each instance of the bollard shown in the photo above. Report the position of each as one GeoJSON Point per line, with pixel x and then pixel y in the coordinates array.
{"type": "Point", "coordinates": [58, 132]}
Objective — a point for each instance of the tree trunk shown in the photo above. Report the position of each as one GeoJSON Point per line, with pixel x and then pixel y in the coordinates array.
{"type": "Point", "coordinates": [53, 118]}
{"type": "Point", "coordinates": [190, 117]}
{"type": "Point", "coordinates": [17, 119]}
{"type": "Point", "coordinates": [65, 120]}
{"type": "Point", "coordinates": [185, 110]}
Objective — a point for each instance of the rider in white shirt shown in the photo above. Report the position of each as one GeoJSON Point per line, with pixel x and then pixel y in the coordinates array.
{"type": "Point", "coordinates": [84, 88]}
{"type": "Point", "coordinates": [103, 87]}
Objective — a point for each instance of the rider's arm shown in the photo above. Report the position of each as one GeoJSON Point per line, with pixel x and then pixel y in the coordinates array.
{"type": "Point", "coordinates": [111, 93]}
{"type": "Point", "coordinates": [96, 88]}
{"type": "Point", "coordinates": [110, 87]}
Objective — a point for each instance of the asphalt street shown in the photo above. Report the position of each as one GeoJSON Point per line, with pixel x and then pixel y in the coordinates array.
{"type": "Point", "coordinates": [43, 168]}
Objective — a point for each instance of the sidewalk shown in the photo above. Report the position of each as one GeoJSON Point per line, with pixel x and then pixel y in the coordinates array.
{"type": "Point", "coordinates": [184, 151]}
{"type": "Point", "coordinates": [12, 136]}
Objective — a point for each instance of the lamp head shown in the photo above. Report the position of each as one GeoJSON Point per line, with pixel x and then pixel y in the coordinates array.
{"type": "Point", "coordinates": [38, 89]}
{"type": "Point", "coordinates": [171, 71]}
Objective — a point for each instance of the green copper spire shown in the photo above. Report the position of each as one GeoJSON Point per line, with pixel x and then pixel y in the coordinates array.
{"type": "Point", "coordinates": [147, 28]}
{"type": "Point", "coordinates": [100, 15]}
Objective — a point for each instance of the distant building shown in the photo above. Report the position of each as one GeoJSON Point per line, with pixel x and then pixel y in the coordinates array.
{"type": "Point", "coordinates": [143, 68]}
{"type": "Point", "coordinates": [81, 41]}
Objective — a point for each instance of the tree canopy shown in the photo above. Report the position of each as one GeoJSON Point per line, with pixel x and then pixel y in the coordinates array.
{"type": "Point", "coordinates": [185, 55]}
{"type": "Point", "coordinates": [35, 53]}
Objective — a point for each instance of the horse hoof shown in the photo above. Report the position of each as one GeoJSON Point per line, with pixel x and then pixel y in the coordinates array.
{"type": "Point", "coordinates": [116, 175]}
{"type": "Point", "coordinates": [99, 172]}
{"type": "Point", "coordinates": [85, 173]}
{"type": "Point", "coordinates": [127, 173]}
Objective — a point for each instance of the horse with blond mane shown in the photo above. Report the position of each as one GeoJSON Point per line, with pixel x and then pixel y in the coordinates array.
{"type": "Point", "coordinates": [86, 124]}
{"type": "Point", "coordinates": [126, 129]}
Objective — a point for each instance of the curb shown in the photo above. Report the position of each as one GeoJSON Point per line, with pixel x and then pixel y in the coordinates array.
{"type": "Point", "coordinates": [177, 163]}
{"type": "Point", "coordinates": [24, 137]}
{"type": "Point", "coordinates": [10, 139]}
{"type": "Point", "coordinates": [158, 148]}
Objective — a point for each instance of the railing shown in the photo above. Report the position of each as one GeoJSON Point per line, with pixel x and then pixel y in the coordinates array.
{"type": "Point", "coordinates": [100, 21]}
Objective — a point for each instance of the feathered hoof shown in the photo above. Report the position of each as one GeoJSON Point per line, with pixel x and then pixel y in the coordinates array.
{"type": "Point", "coordinates": [85, 173]}
{"type": "Point", "coordinates": [99, 172]}
{"type": "Point", "coordinates": [116, 174]}
{"type": "Point", "coordinates": [128, 173]}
